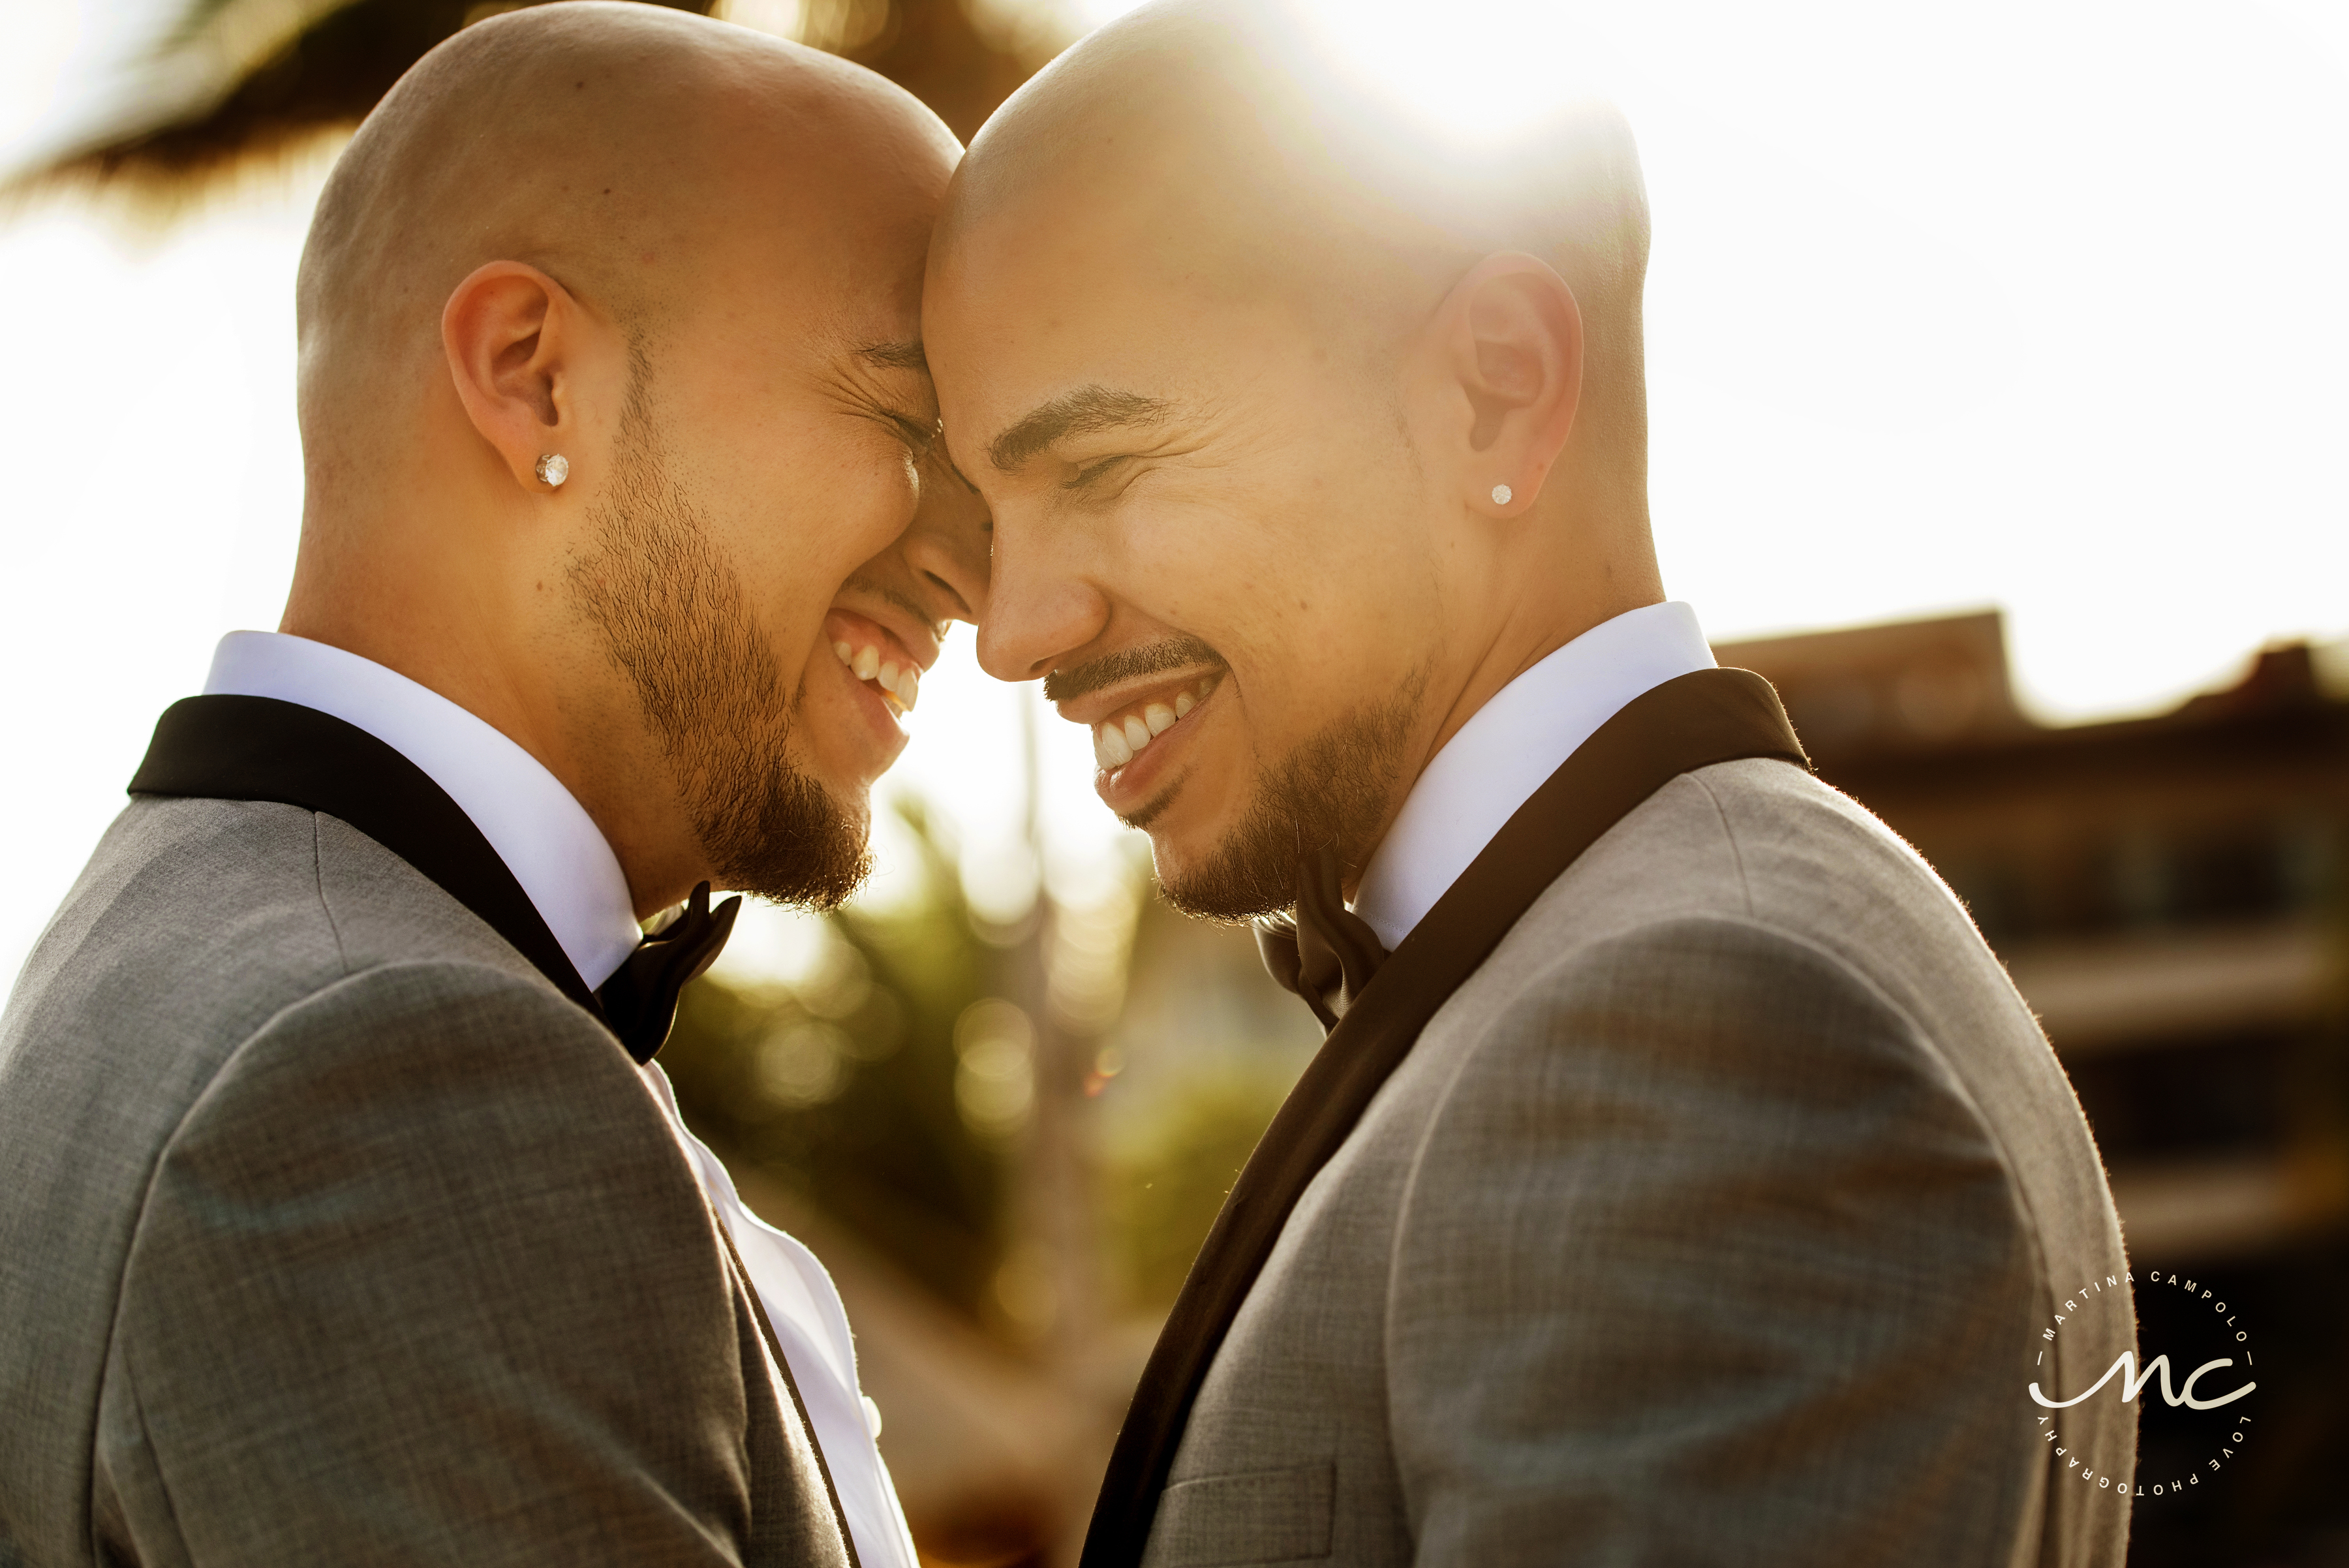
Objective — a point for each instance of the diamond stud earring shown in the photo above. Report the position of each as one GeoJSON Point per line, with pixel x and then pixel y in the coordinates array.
{"type": "Point", "coordinates": [1501, 493]}
{"type": "Point", "coordinates": [553, 469]}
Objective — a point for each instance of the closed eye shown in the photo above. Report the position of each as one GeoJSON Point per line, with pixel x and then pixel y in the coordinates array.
{"type": "Point", "coordinates": [1095, 469]}
{"type": "Point", "coordinates": [918, 436]}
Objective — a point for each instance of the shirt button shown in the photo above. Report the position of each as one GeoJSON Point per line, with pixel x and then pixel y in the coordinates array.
{"type": "Point", "coordinates": [871, 1416]}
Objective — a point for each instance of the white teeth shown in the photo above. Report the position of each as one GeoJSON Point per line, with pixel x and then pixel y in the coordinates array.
{"type": "Point", "coordinates": [1116, 741]}
{"type": "Point", "coordinates": [899, 680]}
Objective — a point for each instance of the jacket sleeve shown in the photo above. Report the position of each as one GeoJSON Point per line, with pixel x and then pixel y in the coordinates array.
{"type": "Point", "coordinates": [1706, 1258]}
{"type": "Point", "coordinates": [422, 1278]}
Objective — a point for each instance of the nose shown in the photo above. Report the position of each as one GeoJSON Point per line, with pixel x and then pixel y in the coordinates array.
{"type": "Point", "coordinates": [948, 544]}
{"type": "Point", "coordinates": [1041, 607]}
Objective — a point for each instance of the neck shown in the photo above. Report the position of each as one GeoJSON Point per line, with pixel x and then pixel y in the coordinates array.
{"type": "Point", "coordinates": [495, 655]}
{"type": "Point", "coordinates": [1576, 591]}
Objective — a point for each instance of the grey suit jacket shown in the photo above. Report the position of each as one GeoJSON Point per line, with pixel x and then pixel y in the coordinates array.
{"type": "Point", "coordinates": [331, 1233]}
{"type": "Point", "coordinates": [1718, 1218]}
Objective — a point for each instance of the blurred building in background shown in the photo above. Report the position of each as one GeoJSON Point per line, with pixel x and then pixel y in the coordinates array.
{"type": "Point", "coordinates": [2171, 897]}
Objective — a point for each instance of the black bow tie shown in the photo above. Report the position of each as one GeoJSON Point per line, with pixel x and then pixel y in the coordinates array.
{"type": "Point", "coordinates": [1325, 952]}
{"type": "Point", "coordinates": [640, 998]}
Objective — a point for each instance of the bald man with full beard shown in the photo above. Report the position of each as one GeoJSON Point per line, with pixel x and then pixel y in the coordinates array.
{"type": "Point", "coordinates": [343, 1217]}
{"type": "Point", "coordinates": [1683, 1181]}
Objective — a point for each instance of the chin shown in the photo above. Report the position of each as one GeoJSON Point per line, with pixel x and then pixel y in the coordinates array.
{"type": "Point", "coordinates": [1178, 837]}
{"type": "Point", "coordinates": [845, 766]}
{"type": "Point", "coordinates": [1215, 873]}
{"type": "Point", "coordinates": [851, 801]}
{"type": "Point", "coordinates": [850, 788]}
{"type": "Point", "coordinates": [1171, 861]}
{"type": "Point", "coordinates": [857, 814]}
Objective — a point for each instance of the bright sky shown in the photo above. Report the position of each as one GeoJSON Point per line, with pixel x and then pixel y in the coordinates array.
{"type": "Point", "coordinates": [2037, 305]}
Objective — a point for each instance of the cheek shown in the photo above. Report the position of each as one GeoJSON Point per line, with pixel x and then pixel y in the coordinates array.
{"type": "Point", "coordinates": [811, 512]}
{"type": "Point", "coordinates": [1299, 560]}
{"type": "Point", "coordinates": [854, 493]}
{"type": "Point", "coordinates": [1320, 606]}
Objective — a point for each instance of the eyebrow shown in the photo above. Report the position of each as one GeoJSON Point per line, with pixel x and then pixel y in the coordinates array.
{"type": "Point", "coordinates": [1086, 409]}
{"type": "Point", "coordinates": [905, 356]}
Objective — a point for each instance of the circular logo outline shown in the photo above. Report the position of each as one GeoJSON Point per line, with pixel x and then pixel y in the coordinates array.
{"type": "Point", "coordinates": [2133, 1378]}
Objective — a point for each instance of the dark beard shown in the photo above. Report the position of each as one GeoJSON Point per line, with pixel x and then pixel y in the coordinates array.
{"type": "Point", "coordinates": [676, 622]}
{"type": "Point", "coordinates": [1334, 790]}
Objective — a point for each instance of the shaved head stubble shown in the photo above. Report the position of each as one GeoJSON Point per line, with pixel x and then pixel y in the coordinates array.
{"type": "Point", "coordinates": [676, 620]}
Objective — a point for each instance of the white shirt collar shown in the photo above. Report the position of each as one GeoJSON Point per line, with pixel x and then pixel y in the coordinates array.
{"type": "Point", "coordinates": [1509, 747]}
{"type": "Point", "coordinates": [544, 835]}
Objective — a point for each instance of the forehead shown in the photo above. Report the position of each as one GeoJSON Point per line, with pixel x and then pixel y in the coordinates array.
{"type": "Point", "coordinates": [763, 287]}
{"type": "Point", "coordinates": [826, 217]}
{"type": "Point", "coordinates": [1119, 287]}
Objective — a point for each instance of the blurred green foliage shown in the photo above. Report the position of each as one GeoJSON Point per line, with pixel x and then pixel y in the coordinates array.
{"type": "Point", "coordinates": [1163, 1187]}
{"type": "Point", "coordinates": [843, 1087]}
{"type": "Point", "coordinates": [878, 1087]}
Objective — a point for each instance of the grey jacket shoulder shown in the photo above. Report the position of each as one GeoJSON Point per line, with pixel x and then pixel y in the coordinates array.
{"type": "Point", "coordinates": [1813, 863]}
{"type": "Point", "coordinates": [1764, 843]}
{"type": "Point", "coordinates": [1800, 996]}
{"type": "Point", "coordinates": [1716, 1218]}
{"type": "Point", "coordinates": [330, 1230]}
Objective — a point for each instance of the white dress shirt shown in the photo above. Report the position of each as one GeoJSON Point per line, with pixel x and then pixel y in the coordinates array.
{"type": "Point", "coordinates": [1509, 747]}
{"type": "Point", "coordinates": [560, 858]}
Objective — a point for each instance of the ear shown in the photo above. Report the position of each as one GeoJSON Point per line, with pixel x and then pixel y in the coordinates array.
{"type": "Point", "coordinates": [509, 333]}
{"type": "Point", "coordinates": [1510, 339]}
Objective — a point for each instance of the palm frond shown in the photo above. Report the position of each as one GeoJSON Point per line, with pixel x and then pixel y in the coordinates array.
{"type": "Point", "coordinates": [232, 80]}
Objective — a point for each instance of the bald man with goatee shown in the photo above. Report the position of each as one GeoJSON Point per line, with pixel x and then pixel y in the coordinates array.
{"type": "Point", "coordinates": [344, 1216]}
{"type": "Point", "coordinates": [1683, 1181]}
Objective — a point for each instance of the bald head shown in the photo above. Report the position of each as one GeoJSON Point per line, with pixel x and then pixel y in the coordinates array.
{"type": "Point", "coordinates": [623, 150]}
{"type": "Point", "coordinates": [1227, 150]}
{"type": "Point", "coordinates": [687, 259]}
{"type": "Point", "coordinates": [1306, 427]}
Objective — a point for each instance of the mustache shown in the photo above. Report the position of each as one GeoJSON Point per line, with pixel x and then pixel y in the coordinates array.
{"type": "Point", "coordinates": [1130, 664]}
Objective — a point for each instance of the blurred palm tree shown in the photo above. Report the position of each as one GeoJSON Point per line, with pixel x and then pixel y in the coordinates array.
{"type": "Point", "coordinates": [233, 79]}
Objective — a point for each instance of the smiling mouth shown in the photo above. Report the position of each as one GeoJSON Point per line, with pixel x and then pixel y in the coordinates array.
{"type": "Point", "coordinates": [1121, 737]}
{"type": "Point", "coordinates": [898, 684]}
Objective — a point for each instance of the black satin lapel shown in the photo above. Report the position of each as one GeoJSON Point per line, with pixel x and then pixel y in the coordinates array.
{"type": "Point", "coordinates": [1707, 717]}
{"type": "Point", "coordinates": [258, 748]}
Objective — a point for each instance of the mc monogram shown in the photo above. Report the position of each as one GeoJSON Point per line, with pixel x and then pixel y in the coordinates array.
{"type": "Point", "coordinates": [2193, 1395]}
{"type": "Point", "coordinates": [2132, 1381]}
